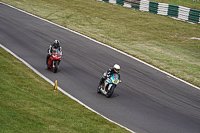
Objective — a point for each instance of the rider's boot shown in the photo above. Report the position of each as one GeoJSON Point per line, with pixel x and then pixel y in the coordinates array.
{"type": "Point", "coordinates": [47, 59]}
{"type": "Point", "coordinates": [104, 91]}
{"type": "Point", "coordinates": [101, 82]}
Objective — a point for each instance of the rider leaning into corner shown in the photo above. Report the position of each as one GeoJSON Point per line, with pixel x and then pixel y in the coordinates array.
{"type": "Point", "coordinates": [55, 45]}
{"type": "Point", "coordinates": [112, 70]}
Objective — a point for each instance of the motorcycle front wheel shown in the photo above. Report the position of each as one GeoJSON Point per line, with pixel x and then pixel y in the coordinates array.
{"type": "Point", "coordinates": [110, 92]}
{"type": "Point", "coordinates": [55, 68]}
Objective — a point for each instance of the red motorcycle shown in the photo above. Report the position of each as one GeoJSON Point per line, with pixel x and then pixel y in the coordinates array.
{"type": "Point", "coordinates": [54, 60]}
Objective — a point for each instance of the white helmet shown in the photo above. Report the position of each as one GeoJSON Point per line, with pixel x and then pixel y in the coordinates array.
{"type": "Point", "coordinates": [116, 68]}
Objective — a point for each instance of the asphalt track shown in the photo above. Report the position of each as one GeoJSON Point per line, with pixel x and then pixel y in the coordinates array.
{"type": "Point", "coordinates": [147, 100]}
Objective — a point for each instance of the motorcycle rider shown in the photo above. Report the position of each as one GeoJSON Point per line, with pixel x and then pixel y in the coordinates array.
{"type": "Point", "coordinates": [110, 71]}
{"type": "Point", "coordinates": [55, 45]}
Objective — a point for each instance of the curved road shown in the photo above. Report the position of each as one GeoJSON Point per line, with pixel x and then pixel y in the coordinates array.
{"type": "Point", "coordinates": [147, 100]}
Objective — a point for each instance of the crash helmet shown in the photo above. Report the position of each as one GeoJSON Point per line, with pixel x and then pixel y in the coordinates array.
{"type": "Point", "coordinates": [56, 44]}
{"type": "Point", "coordinates": [116, 68]}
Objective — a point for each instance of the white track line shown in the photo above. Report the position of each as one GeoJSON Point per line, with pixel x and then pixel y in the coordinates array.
{"type": "Point", "coordinates": [106, 46]}
{"type": "Point", "coordinates": [48, 80]}
{"type": "Point", "coordinates": [60, 89]}
{"type": "Point", "coordinates": [96, 42]}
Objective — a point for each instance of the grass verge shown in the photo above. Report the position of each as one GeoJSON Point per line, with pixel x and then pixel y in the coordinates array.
{"type": "Point", "coordinates": [28, 104]}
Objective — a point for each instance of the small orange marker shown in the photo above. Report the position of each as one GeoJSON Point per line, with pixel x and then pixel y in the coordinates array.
{"type": "Point", "coordinates": [55, 86]}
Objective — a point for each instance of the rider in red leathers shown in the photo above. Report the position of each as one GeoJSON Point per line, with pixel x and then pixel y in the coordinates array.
{"type": "Point", "coordinates": [55, 45]}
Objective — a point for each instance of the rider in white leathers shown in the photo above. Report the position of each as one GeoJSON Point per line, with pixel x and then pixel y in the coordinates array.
{"type": "Point", "coordinates": [112, 70]}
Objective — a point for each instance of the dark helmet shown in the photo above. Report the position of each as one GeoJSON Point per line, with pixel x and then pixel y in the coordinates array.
{"type": "Point", "coordinates": [56, 44]}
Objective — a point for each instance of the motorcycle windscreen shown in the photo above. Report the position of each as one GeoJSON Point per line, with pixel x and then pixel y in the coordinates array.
{"type": "Point", "coordinates": [56, 52]}
{"type": "Point", "coordinates": [115, 78]}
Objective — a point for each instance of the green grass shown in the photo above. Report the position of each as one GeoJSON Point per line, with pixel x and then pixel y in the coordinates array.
{"type": "Point", "coordinates": [28, 104]}
{"type": "Point", "coordinates": [159, 40]}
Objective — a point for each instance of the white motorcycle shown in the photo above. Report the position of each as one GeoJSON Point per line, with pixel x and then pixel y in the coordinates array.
{"type": "Point", "coordinates": [109, 85]}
